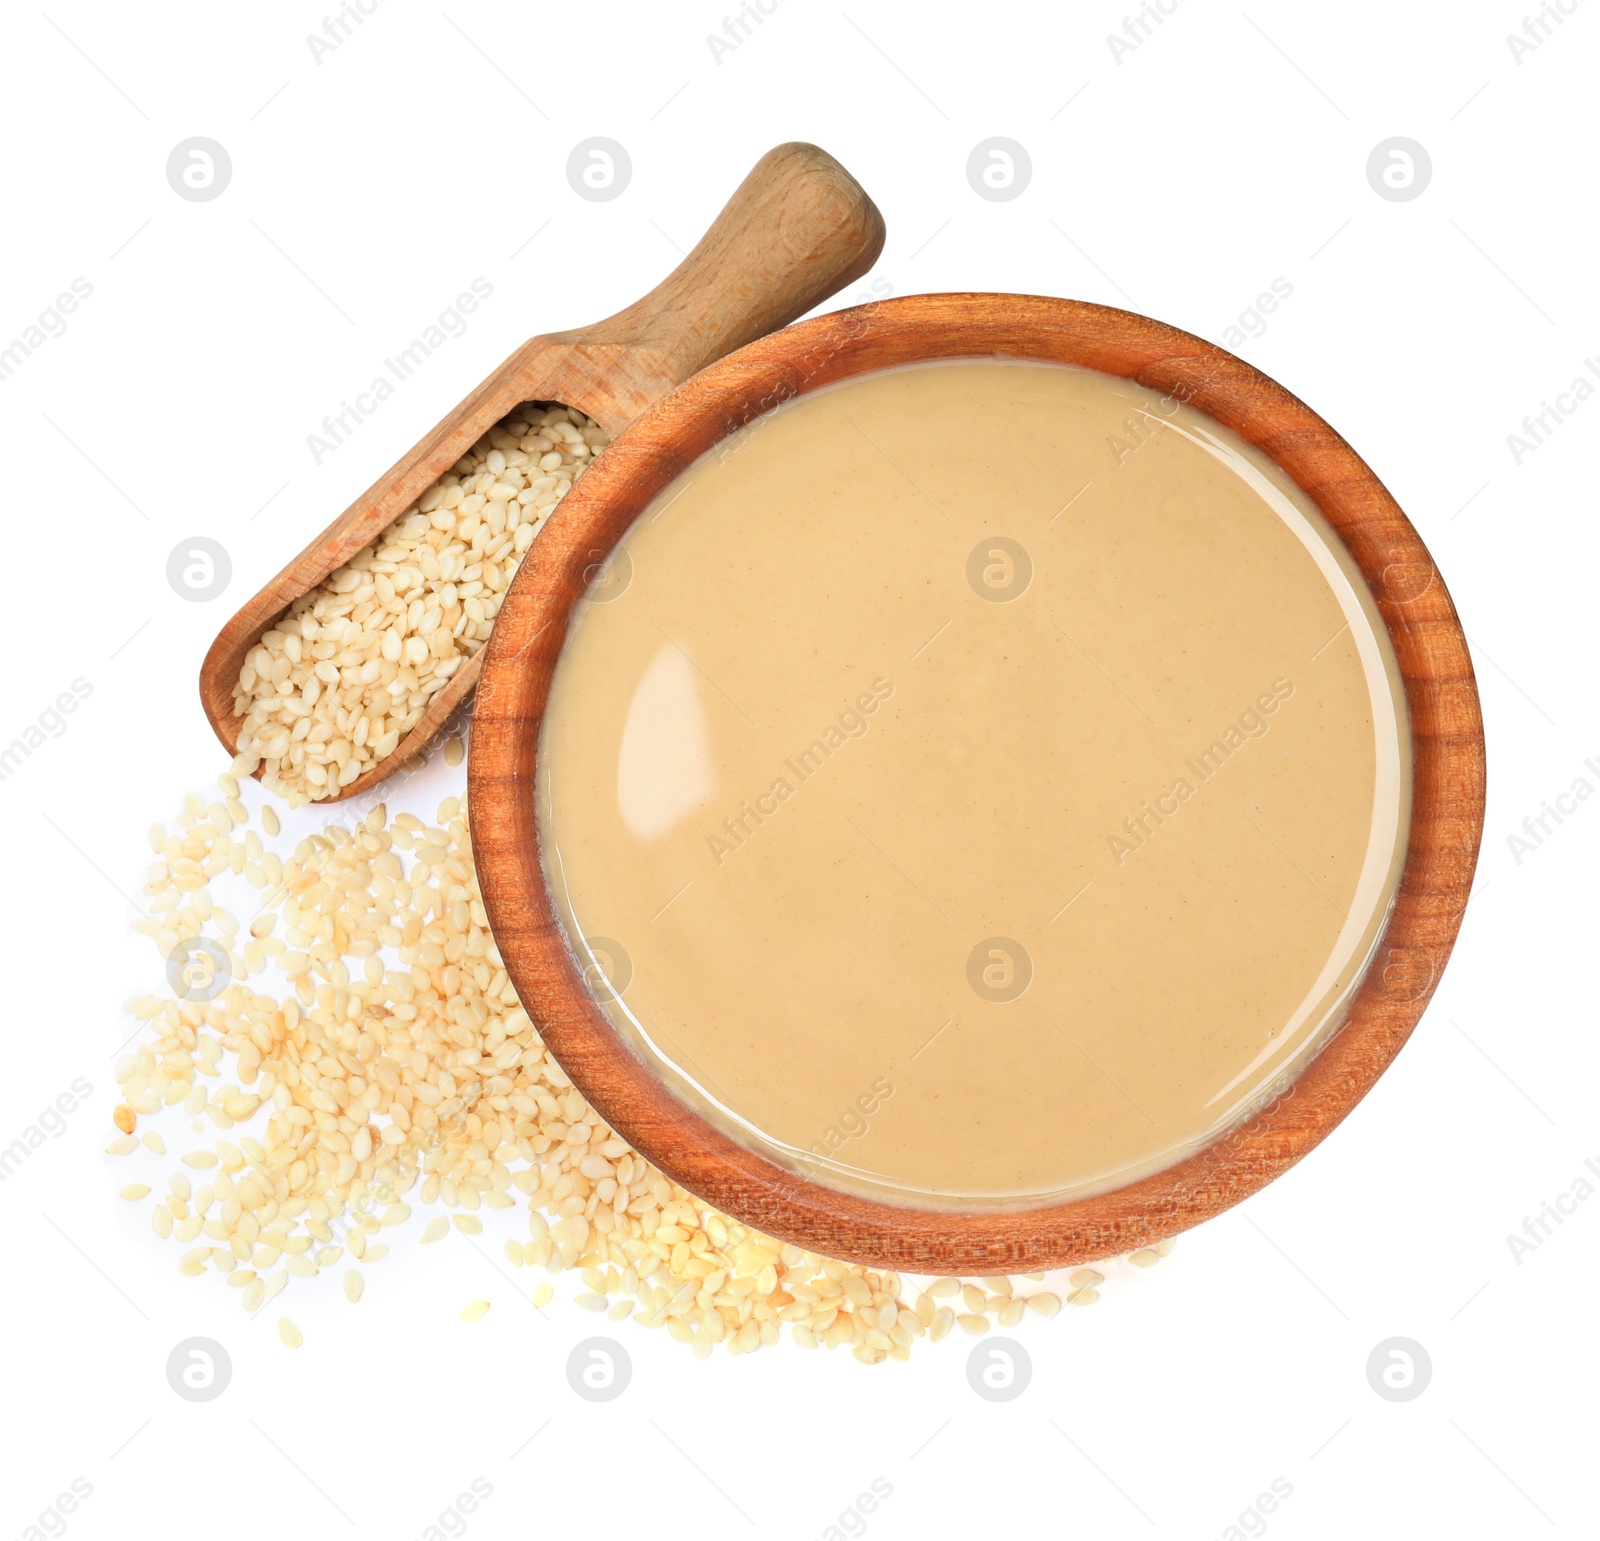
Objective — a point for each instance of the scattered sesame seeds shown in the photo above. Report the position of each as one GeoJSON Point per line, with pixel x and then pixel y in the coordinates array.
{"type": "Point", "coordinates": [395, 1065]}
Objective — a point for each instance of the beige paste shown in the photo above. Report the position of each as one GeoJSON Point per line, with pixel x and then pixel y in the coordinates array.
{"type": "Point", "coordinates": [983, 780]}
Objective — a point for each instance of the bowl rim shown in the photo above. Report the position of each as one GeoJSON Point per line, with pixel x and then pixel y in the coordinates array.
{"type": "Point", "coordinates": [1446, 818]}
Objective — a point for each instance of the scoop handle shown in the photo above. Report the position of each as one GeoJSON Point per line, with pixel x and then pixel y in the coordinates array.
{"type": "Point", "coordinates": [796, 230]}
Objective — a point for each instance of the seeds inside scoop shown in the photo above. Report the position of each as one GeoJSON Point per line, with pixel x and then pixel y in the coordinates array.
{"type": "Point", "coordinates": [349, 670]}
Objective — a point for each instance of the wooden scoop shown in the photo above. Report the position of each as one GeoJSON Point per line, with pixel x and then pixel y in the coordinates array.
{"type": "Point", "coordinates": [797, 230]}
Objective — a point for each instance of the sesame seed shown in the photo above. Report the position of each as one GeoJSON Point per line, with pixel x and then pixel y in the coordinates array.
{"type": "Point", "coordinates": [337, 681]}
{"type": "Point", "coordinates": [394, 1067]}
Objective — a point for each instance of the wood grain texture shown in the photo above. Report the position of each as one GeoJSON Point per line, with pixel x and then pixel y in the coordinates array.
{"type": "Point", "coordinates": [796, 230]}
{"type": "Point", "coordinates": [1446, 822]}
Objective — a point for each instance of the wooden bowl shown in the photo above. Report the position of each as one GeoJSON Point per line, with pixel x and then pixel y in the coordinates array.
{"type": "Point", "coordinates": [1445, 825]}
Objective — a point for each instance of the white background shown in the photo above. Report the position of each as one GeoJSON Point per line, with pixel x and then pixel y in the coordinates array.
{"type": "Point", "coordinates": [367, 191]}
